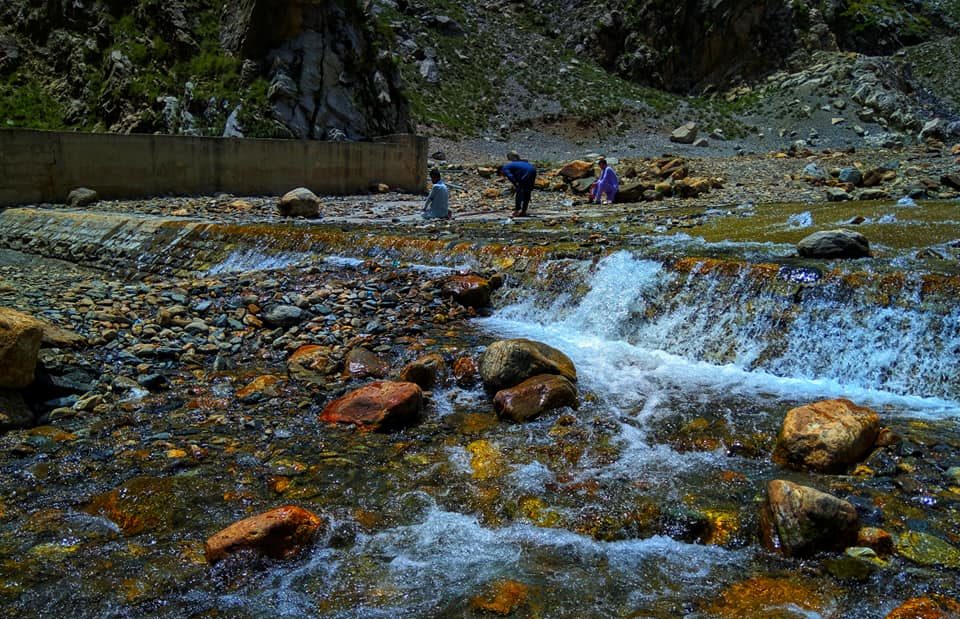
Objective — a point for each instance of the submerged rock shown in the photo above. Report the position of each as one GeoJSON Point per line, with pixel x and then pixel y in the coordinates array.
{"type": "Point", "coordinates": [299, 202]}
{"type": "Point", "coordinates": [534, 396]}
{"type": "Point", "coordinates": [361, 362]}
{"type": "Point", "coordinates": [927, 549]}
{"type": "Point", "coordinates": [798, 520]}
{"type": "Point", "coordinates": [279, 533]}
{"type": "Point", "coordinates": [20, 337]}
{"type": "Point", "coordinates": [506, 363]}
{"type": "Point", "coordinates": [826, 436]}
{"type": "Point", "coordinates": [932, 607]}
{"type": "Point", "coordinates": [834, 244]}
{"type": "Point", "coordinates": [380, 405]}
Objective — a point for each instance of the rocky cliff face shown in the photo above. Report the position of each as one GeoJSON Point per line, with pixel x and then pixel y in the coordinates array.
{"type": "Point", "coordinates": [203, 67]}
{"type": "Point", "coordinates": [327, 78]}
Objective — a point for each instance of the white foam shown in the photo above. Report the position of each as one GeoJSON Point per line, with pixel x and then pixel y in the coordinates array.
{"type": "Point", "coordinates": [241, 261]}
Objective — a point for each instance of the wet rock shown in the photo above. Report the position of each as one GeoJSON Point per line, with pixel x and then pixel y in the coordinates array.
{"type": "Point", "coordinates": [506, 363]}
{"type": "Point", "coordinates": [280, 533]}
{"type": "Point", "coordinates": [877, 539]}
{"type": "Point", "coordinates": [503, 597]}
{"type": "Point", "coordinates": [932, 607]}
{"type": "Point", "coordinates": [299, 202]}
{"type": "Point", "coordinates": [764, 596]}
{"type": "Point", "coordinates": [951, 180]}
{"type": "Point", "coordinates": [467, 290]}
{"type": "Point", "coordinates": [534, 396]}
{"type": "Point", "coordinates": [283, 316]}
{"type": "Point", "coordinates": [576, 170]}
{"type": "Point", "coordinates": [685, 133]}
{"type": "Point", "coordinates": [82, 196]}
{"type": "Point", "coordinates": [927, 549]}
{"type": "Point", "coordinates": [833, 244]}
{"type": "Point", "coordinates": [265, 386]}
{"type": "Point", "coordinates": [427, 371]}
{"type": "Point", "coordinates": [826, 436]}
{"type": "Point", "coordinates": [381, 405]}
{"type": "Point", "coordinates": [361, 362]}
{"type": "Point", "coordinates": [465, 372]}
{"type": "Point", "coordinates": [20, 337]}
{"type": "Point", "coordinates": [13, 411]}
{"type": "Point", "coordinates": [312, 363]}
{"type": "Point", "coordinates": [57, 337]}
{"type": "Point", "coordinates": [798, 520]}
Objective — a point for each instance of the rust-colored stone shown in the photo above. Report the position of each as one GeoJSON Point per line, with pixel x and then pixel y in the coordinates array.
{"type": "Point", "coordinates": [503, 597]}
{"type": "Point", "coordinates": [425, 371]}
{"type": "Point", "coordinates": [878, 539]}
{"type": "Point", "coordinates": [266, 385]}
{"type": "Point", "coordinates": [377, 406]}
{"type": "Point", "coordinates": [576, 170]}
{"type": "Point", "coordinates": [467, 290]}
{"type": "Point", "coordinates": [763, 596]}
{"type": "Point", "coordinates": [465, 371]}
{"type": "Point", "coordinates": [279, 533]}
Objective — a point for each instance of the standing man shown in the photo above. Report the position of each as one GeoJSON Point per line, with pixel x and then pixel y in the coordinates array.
{"type": "Point", "coordinates": [437, 205]}
{"type": "Point", "coordinates": [608, 184]}
{"type": "Point", "coordinates": [522, 174]}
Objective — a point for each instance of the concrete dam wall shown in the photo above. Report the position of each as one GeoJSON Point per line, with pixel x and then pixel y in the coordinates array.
{"type": "Point", "coordinates": [44, 166]}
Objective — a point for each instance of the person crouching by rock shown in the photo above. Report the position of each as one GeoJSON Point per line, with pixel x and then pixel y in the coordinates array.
{"type": "Point", "coordinates": [608, 184]}
{"type": "Point", "coordinates": [522, 174]}
{"type": "Point", "coordinates": [437, 205]}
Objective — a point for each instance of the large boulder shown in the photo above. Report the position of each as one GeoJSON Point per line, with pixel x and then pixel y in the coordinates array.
{"type": "Point", "coordinates": [81, 196]}
{"type": "Point", "coordinates": [576, 170]}
{"type": "Point", "coordinates": [381, 405]}
{"type": "Point", "coordinates": [506, 363]}
{"type": "Point", "coordinates": [798, 520]}
{"type": "Point", "coordinates": [20, 337]}
{"type": "Point", "coordinates": [826, 436]}
{"type": "Point", "coordinates": [467, 290]}
{"type": "Point", "coordinates": [280, 533]}
{"type": "Point", "coordinates": [536, 395]}
{"type": "Point", "coordinates": [299, 202]}
{"type": "Point", "coordinates": [834, 244]}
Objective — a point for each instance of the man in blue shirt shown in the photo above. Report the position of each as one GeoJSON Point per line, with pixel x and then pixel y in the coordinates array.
{"type": "Point", "coordinates": [437, 205]}
{"type": "Point", "coordinates": [522, 174]}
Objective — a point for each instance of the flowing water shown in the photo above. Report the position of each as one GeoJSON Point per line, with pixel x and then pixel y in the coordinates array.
{"type": "Point", "coordinates": [642, 503]}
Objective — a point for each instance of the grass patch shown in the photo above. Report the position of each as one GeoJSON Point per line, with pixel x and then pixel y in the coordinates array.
{"type": "Point", "coordinates": [24, 103]}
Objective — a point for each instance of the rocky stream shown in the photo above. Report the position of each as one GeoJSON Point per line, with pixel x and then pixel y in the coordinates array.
{"type": "Point", "coordinates": [195, 350]}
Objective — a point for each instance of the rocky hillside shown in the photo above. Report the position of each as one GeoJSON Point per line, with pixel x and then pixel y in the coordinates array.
{"type": "Point", "coordinates": [352, 69]}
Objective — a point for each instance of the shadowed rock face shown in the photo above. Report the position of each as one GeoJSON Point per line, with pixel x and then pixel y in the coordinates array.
{"type": "Point", "coordinates": [327, 79]}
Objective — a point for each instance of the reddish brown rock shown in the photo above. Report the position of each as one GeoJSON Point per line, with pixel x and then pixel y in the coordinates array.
{"type": "Point", "coordinates": [426, 371]}
{"type": "Point", "coordinates": [933, 607]}
{"type": "Point", "coordinates": [363, 363]}
{"type": "Point", "coordinates": [279, 533]}
{"type": "Point", "coordinates": [534, 396]}
{"type": "Point", "coordinates": [826, 436]}
{"type": "Point", "coordinates": [504, 597]}
{"type": "Point", "coordinates": [378, 406]}
{"type": "Point", "coordinates": [467, 290]}
{"type": "Point", "coordinates": [465, 372]}
{"type": "Point", "coordinates": [20, 337]}
{"type": "Point", "coordinates": [797, 520]}
{"type": "Point", "coordinates": [877, 539]}
{"type": "Point", "coordinates": [576, 170]}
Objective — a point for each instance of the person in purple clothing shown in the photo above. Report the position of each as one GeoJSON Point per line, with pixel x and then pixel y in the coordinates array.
{"type": "Point", "coordinates": [608, 184]}
{"type": "Point", "coordinates": [522, 174]}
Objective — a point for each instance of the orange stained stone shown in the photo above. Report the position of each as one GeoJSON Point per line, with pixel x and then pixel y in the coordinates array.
{"type": "Point", "coordinates": [278, 533]}
{"type": "Point", "coordinates": [486, 460]}
{"type": "Point", "coordinates": [933, 607]}
{"type": "Point", "coordinates": [764, 597]}
{"type": "Point", "coordinates": [502, 598]}
{"type": "Point", "coordinates": [279, 484]}
{"type": "Point", "coordinates": [266, 384]}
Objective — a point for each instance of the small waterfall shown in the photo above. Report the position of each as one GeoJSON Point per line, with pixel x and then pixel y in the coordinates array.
{"type": "Point", "coordinates": [790, 333]}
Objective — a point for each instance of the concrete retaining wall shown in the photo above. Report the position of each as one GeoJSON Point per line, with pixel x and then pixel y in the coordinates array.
{"type": "Point", "coordinates": [44, 166]}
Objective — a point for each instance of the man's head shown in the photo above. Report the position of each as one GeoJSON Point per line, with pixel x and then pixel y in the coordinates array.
{"type": "Point", "coordinates": [513, 156]}
{"type": "Point", "coordinates": [602, 162]}
{"type": "Point", "coordinates": [434, 175]}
